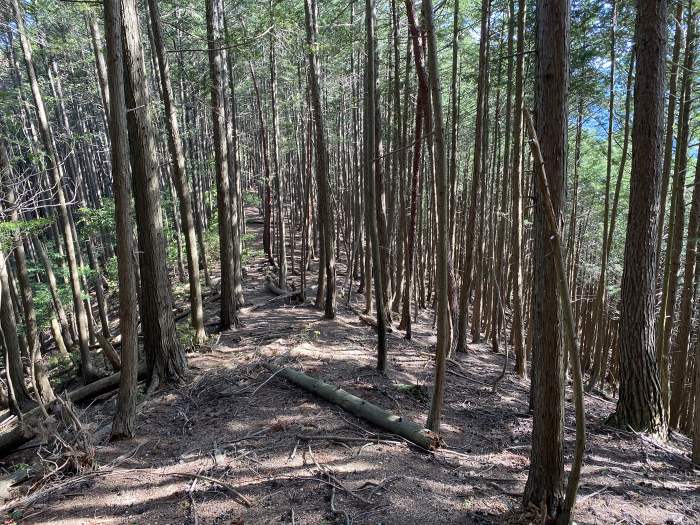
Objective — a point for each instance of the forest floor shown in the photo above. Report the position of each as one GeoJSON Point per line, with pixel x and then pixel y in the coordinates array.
{"type": "Point", "coordinates": [274, 444]}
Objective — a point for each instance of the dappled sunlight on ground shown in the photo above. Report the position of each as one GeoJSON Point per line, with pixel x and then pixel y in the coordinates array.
{"type": "Point", "coordinates": [233, 421]}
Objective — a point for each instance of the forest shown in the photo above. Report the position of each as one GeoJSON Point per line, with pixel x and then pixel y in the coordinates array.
{"type": "Point", "coordinates": [364, 262]}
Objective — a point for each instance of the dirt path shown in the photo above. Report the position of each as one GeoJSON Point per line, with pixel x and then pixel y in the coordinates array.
{"type": "Point", "coordinates": [233, 422]}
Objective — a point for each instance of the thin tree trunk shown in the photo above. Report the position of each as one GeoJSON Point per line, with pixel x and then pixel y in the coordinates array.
{"type": "Point", "coordinates": [477, 176]}
{"type": "Point", "coordinates": [89, 372]}
{"type": "Point", "coordinates": [279, 209]}
{"type": "Point", "coordinates": [180, 177]}
{"type": "Point", "coordinates": [443, 247]}
{"type": "Point", "coordinates": [228, 310]}
{"type": "Point", "coordinates": [322, 176]}
{"type": "Point", "coordinates": [372, 164]}
{"type": "Point", "coordinates": [516, 200]}
{"type": "Point", "coordinates": [124, 423]}
{"type": "Point", "coordinates": [545, 478]}
{"type": "Point", "coordinates": [165, 354]}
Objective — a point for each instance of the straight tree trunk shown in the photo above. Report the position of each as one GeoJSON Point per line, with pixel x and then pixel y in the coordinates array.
{"type": "Point", "coordinates": [372, 165]}
{"type": "Point", "coordinates": [639, 404]}
{"type": "Point", "coordinates": [89, 372]}
{"type": "Point", "coordinates": [477, 176]}
{"type": "Point", "coordinates": [322, 176]}
{"type": "Point", "coordinates": [182, 186]}
{"type": "Point", "coordinates": [516, 200]}
{"type": "Point", "coordinates": [670, 126]}
{"type": "Point", "coordinates": [600, 310]}
{"type": "Point", "coordinates": [229, 310]}
{"type": "Point", "coordinates": [279, 208]}
{"type": "Point", "coordinates": [443, 245]}
{"type": "Point", "coordinates": [676, 220]}
{"type": "Point", "coordinates": [423, 92]}
{"type": "Point", "coordinates": [165, 355]}
{"type": "Point", "coordinates": [680, 347]}
{"type": "Point", "coordinates": [124, 423]}
{"type": "Point", "coordinates": [237, 211]}
{"type": "Point", "coordinates": [544, 483]}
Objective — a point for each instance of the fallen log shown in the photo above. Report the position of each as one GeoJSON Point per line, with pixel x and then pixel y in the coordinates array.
{"type": "Point", "coordinates": [357, 406]}
{"type": "Point", "coordinates": [109, 351]}
{"type": "Point", "coordinates": [185, 313]}
{"type": "Point", "coordinates": [22, 433]}
{"type": "Point", "coordinates": [371, 321]}
{"type": "Point", "coordinates": [270, 286]}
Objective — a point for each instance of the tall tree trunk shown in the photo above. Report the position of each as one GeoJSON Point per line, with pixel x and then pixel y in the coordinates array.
{"type": "Point", "coordinates": [670, 127]}
{"type": "Point", "coordinates": [600, 310]}
{"type": "Point", "coordinates": [423, 93]}
{"type": "Point", "coordinates": [516, 200]}
{"type": "Point", "coordinates": [443, 246]}
{"type": "Point", "coordinates": [640, 405]}
{"type": "Point", "coordinates": [165, 354]}
{"type": "Point", "coordinates": [279, 208]}
{"type": "Point", "coordinates": [477, 176]}
{"type": "Point", "coordinates": [677, 218]}
{"type": "Point", "coordinates": [182, 186]}
{"type": "Point", "coordinates": [237, 211]}
{"type": "Point", "coordinates": [372, 165]}
{"type": "Point", "coordinates": [544, 483]}
{"type": "Point", "coordinates": [322, 176]}
{"type": "Point", "coordinates": [89, 372]}
{"type": "Point", "coordinates": [680, 347]}
{"type": "Point", "coordinates": [124, 423]}
{"type": "Point", "coordinates": [229, 310]}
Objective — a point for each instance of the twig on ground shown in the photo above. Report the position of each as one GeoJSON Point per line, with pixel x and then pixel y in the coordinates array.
{"type": "Point", "coordinates": [228, 486]}
{"type": "Point", "coordinates": [263, 384]}
{"type": "Point", "coordinates": [193, 505]}
{"type": "Point", "coordinates": [294, 451]}
{"type": "Point", "coordinates": [335, 482]}
{"type": "Point", "coordinates": [336, 511]}
{"type": "Point", "coordinates": [587, 496]}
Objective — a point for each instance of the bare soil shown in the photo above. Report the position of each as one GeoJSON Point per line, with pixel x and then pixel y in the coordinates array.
{"type": "Point", "coordinates": [277, 445]}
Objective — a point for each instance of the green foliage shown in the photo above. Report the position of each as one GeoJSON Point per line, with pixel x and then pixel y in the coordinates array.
{"type": "Point", "coordinates": [250, 251]}
{"type": "Point", "coordinates": [94, 220]}
{"type": "Point", "coordinates": [251, 199]}
{"type": "Point", "coordinates": [185, 334]}
{"type": "Point", "coordinates": [419, 392]}
{"type": "Point", "coordinates": [111, 272]}
{"type": "Point", "coordinates": [10, 230]}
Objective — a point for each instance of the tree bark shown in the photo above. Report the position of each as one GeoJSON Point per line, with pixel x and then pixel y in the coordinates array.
{"type": "Point", "coordinates": [164, 352]}
{"type": "Point", "coordinates": [124, 423]}
{"type": "Point", "coordinates": [54, 167]}
{"type": "Point", "coordinates": [544, 483]}
{"type": "Point", "coordinates": [179, 175]}
{"type": "Point", "coordinates": [640, 405]}
{"type": "Point", "coordinates": [398, 425]}
{"type": "Point", "coordinates": [477, 176]}
{"type": "Point", "coordinates": [516, 200]}
{"type": "Point", "coordinates": [443, 244]}
{"type": "Point", "coordinates": [322, 176]}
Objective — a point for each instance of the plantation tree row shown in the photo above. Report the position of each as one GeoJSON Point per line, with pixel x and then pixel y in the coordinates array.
{"type": "Point", "coordinates": [386, 147]}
